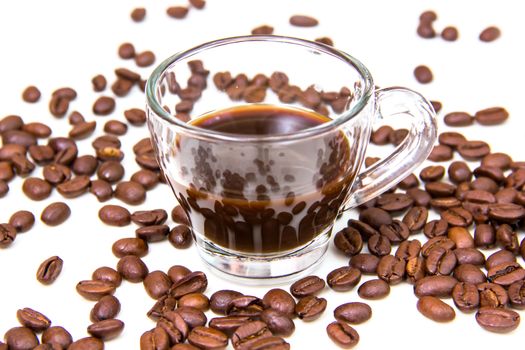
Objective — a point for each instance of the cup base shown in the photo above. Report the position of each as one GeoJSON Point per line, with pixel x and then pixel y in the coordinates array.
{"type": "Point", "coordinates": [264, 270]}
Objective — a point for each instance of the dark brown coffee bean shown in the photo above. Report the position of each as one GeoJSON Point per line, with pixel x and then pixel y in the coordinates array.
{"type": "Point", "coordinates": [22, 221]}
{"type": "Point", "coordinates": [469, 256]}
{"type": "Point", "coordinates": [425, 30]}
{"type": "Point", "coordinates": [228, 324]}
{"type": "Point", "coordinates": [56, 173]}
{"type": "Point", "coordinates": [262, 30]}
{"type": "Point", "coordinates": [21, 338]}
{"type": "Point", "coordinates": [31, 94]}
{"type": "Point", "coordinates": [440, 261]}
{"type": "Point", "coordinates": [459, 172]}
{"type": "Point", "coordinates": [157, 284]}
{"type": "Point", "coordinates": [163, 308]}
{"type": "Point", "coordinates": [375, 217]}
{"type": "Point", "coordinates": [248, 333]}
{"type": "Point", "coordinates": [438, 286]}
{"type": "Point", "coordinates": [497, 320]}
{"type": "Point", "coordinates": [132, 268]}
{"type": "Point", "coordinates": [110, 154]}
{"type": "Point", "coordinates": [178, 272]}
{"type": "Point", "coordinates": [415, 269]}
{"type": "Point", "coordinates": [348, 241]}
{"type": "Point", "coordinates": [440, 153]}
{"type": "Point", "coordinates": [106, 308]}
{"type": "Point", "coordinates": [278, 323]}
{"type": "Point", "coordinates": [343, 279]}
{"type": "Point", "coordinates": [506, 213]}
{"type": "Point", "coordinates": [148, 161]}
{"type": "Point", "coordinates": [74, 187]}
{"type": "Point", "coordinates": [55, 214]}
{"type": "Point", "coordinates": [366, 263]}
{"type": "Point", "coordinates": [394, 202]}
{"type": "Point", "coordinates": [507, 238]}
{"type": "Point", "coordinates": [435, 228]}
{"type": "Point", "coordinates": [472, 150]}
{"type": "Point", "coordinates": [408, 249]}
{"type": "Point", "coordinates": [32, 319]}
{"type": "Point", "coordinates": [49, 270]}
{"type": "Point", "coordinates": [144, 59]}
{"type": "Point", "coordinates": [516, 294]}
{"type": "Point", "coordinates": [353, 313]}
{"type": "Point", "coordinates": [149, 217]}
{"type": "Point", "coordinates": [37, 129]}
{"type": "Point", "coordinates": [6, 171]}
{"type": "Point", "coordinates": [374, 289]}
{"type": "Point", "coordinates": [484, 236]}
{"type": "Point", "coordinates": [310, 285]}
{"type": "Point", "coordinates": [36, 189]}
{"type": "Point", "coordinates": [115, 127]}
{"type": "Point", "coordinates": [498, 258]}
{"type": "Point", "coordinates": [110, 171]}
{"type": "Point", "coordinates": [147, 178]}
{"type": "Point", "coordinates": [135, 116]}
{"type": "Point", "coordinates": [94, 290]}
{"type": "Point", "coordinates": [440, 189]}
{"type": "Point", "coordinates": [195, 282]}
{"type": "Point", "coordinates": [450, 33]}
{"type": "Point", "coordinates": [506, 195]}
{"type": "Point", "coordinates": [470, 274]}
{"type": "Point", "coordinates": [104, 105]}
{"type": "Point", "coordinates": [11, 122]}
{"type": "Point", "coordinates": [107, 274]}
{"type": "Point", "coordinates": [493, 295]}
{"type": "Point", "coordinates": [489, 34]}
{"type": "Point", "coordinates": [365, 230]}
{"type": "Point", "coordinates": [153, 233]}
{"type": "Point", "coordinates": [193, 317]}
{"type": "Point", "coordinates": [342, 334]}
{"type": "Point", "coordinates": [303, 21]}
{"type": "Point", "coordinates": [18, 137]}
{"type": "Point", "coordinates": [82, 130]}
{"type": "Point", "coordinates": [379, 245]}
{"type": "Point", "coordinates": [126, 51]}
{"type": "Point", "coordinates": [4, 188]}
{"type": "Point", "coordinates": [57, 336]}
{"type": "Point", "coordinates": [99, 83]}
{"type": "Point", "coordinates": [458, 119]}
{"type": "Point", "coordinates": [506, 274]}
{"type": "Point", "coordinates": [106, 329]}
{"type": "Point", "coordinates": [395, 232]}
{"type": "Point", "coordinates": [22, 165]}
{"type": "Point", "coordinates": [423, 74]}
{"type": "Point", "coordinates": [245, 305]}
{"type": "Point", "coordinates": [415, 219]}
{"type": "Point", "coordinates": [180, 237]}
{"type": "Point", "coordinates": [114, 215]}
{"type": "Point", "coordinates": [101, 189]}
{"type": "Point", "coordinates": [276, 299]}
{"type": "Point", "coordinates": [451, 138]}
{"type": "Point", "coordinates": [391, 269]}
{"type": "Point", "coordinates": [436, 242]}
{"type": "Point", "coordinates": [207, 338]}
{"type": "Point", "coordinates": [465, 296]}
{"type": "Point", "coordinates": [85, 165]}
{"type": "Point", "coordinates": [130, 192]}
{"type": "Point", "coordinates": [196, 300]}
{"type": "Point", "coordinates": [435, 309]}
{"type": "Point", "coordinates": [220, 300]}
{"type": "Point", "coordinates": [270, 343]}
{"type": "Point", "coordinates": [444, 203]}
{"type": "Point", "coordinates": [410, 181]}
{"type": "Point", "coordinates": [457, 217]}
{"type": "Point", "coordinates": [155, 339]}
{"type": "Point", "coordinates": [432, 173]}
{"type": "Point", "coordinates": [138, 14]}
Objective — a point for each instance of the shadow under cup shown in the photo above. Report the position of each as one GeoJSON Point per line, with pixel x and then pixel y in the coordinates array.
{"type": "Point", "coordinates": [261, 204]}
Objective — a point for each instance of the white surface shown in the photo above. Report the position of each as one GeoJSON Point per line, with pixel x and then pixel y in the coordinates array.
{"type": "Point", "coordinates": [64, 43]}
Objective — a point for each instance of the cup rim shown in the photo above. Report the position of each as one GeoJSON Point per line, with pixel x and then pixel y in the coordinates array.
{"type": "Point", "coordinates": [198, 132]}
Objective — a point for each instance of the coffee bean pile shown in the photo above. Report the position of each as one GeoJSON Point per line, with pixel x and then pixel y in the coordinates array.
{"type": "Point", "coordinates": [479, 209]}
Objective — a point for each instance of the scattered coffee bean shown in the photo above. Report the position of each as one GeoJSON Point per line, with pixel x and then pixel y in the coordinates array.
{"type": "Point", "coordinates": [55, 214]}
{"type": "Point", "coordinates": [490, 34]}
{"type": "Point", "coordinates": [180, 237]}
{"type": "Point", "coordinates": [106, 329]}
{"type": "Point", "coordinates": [157, 338]}
{"type": "Point", "coordinates": [36, 188]}
{"type": "Point", "coordinates": [126, 51]}
{"type": "Point", "coordinates": [90, 343]}
{"type": "Point", "coordinates": [138, 14]}
{"type": "Point", "coordinates": [177, 12]}
{"type": "Point", "coordinates": [20, 338]}
{"type": "Point", "coordinates": [303, 21]}
{"type": "Point", "coordinates": [491, 116]}
{"type": "Point", "coordinates": [99, 83]}
{"type": "Point", "coordinates": [7, 235]}
{"type": "Point", "coordinates": [104, 105]}
{"type": "Point", "coordinates": [450, 33]}
{"type": "Point", "coordinates": [374, 289]}
{"type": "Point", "coordinates": [49, 270]}
{"type": "Point", "coordinates": [31, 94]}
{"type": "Point", "coordinates": [33, 319]}
{"type": "Point", "coordinates": [115, 127]}
{"type": "Point", "coordinates": [22, 221]}
{"type": "Point", "coordinates": [220, 300]}
{"type": "Point", "coordinates": [440, 153]}
{"type": "Point", "coordinates": [423, 74]}
{"type": "Point", "coordinates": [342, 334]}
{"type": "Point", "coordinates": [94, 290]}
{"type": "Point", "coordinates": [157, 284]}
{"type": "Point", "coordinates": [130, 192]}
{"type": "Point", "coordinates": [343, 279]}
{"type": "Point", "coordinates": [278, 323]}
{"type": "Point", "coordinates": [353, 313]}
{"type": "Point", "coordinates": [57, 335]}
{"type": "Point", "coordinates": [107, 274]}
{"type": "Point", "coordinates": [132, 268]}
{"type": "Point", "coordinates": [498, 320]}
{"type": "Point", "coordinates": [437, 286]}
{"type": "Point", "coordinates": [435, 309]}
{"type": "Point", "coordinates": [107, 307]}
{"type": "Point", "coordinates": [309, 285]}
{"type": "Point", "coordinates": [348, 241]}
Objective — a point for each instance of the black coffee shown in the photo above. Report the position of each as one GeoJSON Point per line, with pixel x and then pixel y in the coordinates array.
{"type": "Point", "coordinates": [263, 197]}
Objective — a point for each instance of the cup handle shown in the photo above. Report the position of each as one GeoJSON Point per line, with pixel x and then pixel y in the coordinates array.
{"type": "Point", "coordinates": [412, 151]}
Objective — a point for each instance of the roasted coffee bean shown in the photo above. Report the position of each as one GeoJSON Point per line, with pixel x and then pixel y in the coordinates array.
{"type": "Point", "coordinates": [516, 294]}
{"type": "Point", "coordinates": [130, 192]}
{"type": "Point", "coordinates": [432, 173]}
{"type": "Point", "coordinates": [174, 324]}
{"type": "Point", "coordinates": [178, 12]}
{"type": "Point", "coordinates": [457, 217]}
{"type": "Point", "coordinates": [465, 296]}
{"type": "Point", "coordinates": [506, 195]}
{"type": "Point", "coordinates": [435, 228]}
{"type": "Point", "coordinates": [130, 246]}
{"type": "Point", "coordinates": [147, 178]}
{"type": "Point", "coordinates": [348, 241]}
{"type": "Point", "coordinates": [36, 189]}
{"type": "Point", "coordinates": [149, 217]}
{"type": "Point", "coordinates": [458, 119]}
{"type": "Point", "coordinates": [6, 171]}
{"type": "Point", "coordinates": [381, 135]}
{"type": "Point", "coordinates": [82, 130]}
{"type": "Point", "coordinates": [497, 160]}
{"type": "Point", "coordinates": [178, 272]}
{"type": "Point", "coordinates": [440, 261]}
{"type": "Point", "coordinates": [157, 284]}
{"type": "Point", "coordinates": [126, 51]}
{"type": "Point", "coordinates": [122, 87]}
{"type": "Point", "coordinates": [473, 150]}
{"type": "Point", "coordinates": [245, 305]}
{"type": "Point", "coordinates": [144, 59]}
{"type": "Point", "coordinates": [193, 317]}
{"type": "Point", "coordinates": [425, 30]}
{"type": "Point", "coordinates": [163, 307]}
{"type": "Point", "coordinates": [366, 263]}
{"type": "Point", "coordinates": [115, 127]}
{"type": "Point", "coordinates": [18, 137]}
{"type": "Point", "coordinates": [180, 237]}
{"type": "Point", "coordinates": [104, 105]}
{"type": "Point", "coordinates": [4, 188]}
{"type": "Point", "coordinates": [375, 217]}
{"type": "Point", "coordinates": [493, 295]}
{"type": "Point", "coordinates": [435, 309]}
{"type": "Point", "coordinates": [494, 173]}
{"type": "Point", "coordinates": [470, 274]}
{"type": "Point", "coordinates": [49, 270]}
{"type": "Point", "coordinates": [55, 214]}
{"type": "Point", "coordinates": [94, 290]}
{"type": "Point", "coordinates": [278, 323]}
{"type": "Point", "coordinates": [110, 154]}
{"type": "Point", "coordinates": [459, 172]}
{"type": "Point", "coordinates": [498, 258]}
{"type": "Point", "coordinates": [440, 153]}
{"type": "Point", "coordinates": [379, 245]}
{"type": "Point", "coordinates": [450, 33]}
{"type": "Point", "coordinates": [391, 269]}
{"type": "Point", "coordinates": [342, 334]}
{"type": "Point", "coordinates": [85, 165]}
{"type": "Point", "coordinates": [106, 308]}
{"type": "Point", "coordinates": [37, 129]}
{"type": "Point", "coordinates": [153, 233]}
{"type": "Point", "coordinates": [11, 122]}
{"type": "Point", "coordinates": [410, 181]}
{"type": "Point", "coordinates": [506, 213]}
{"type": "Point", "coordinates": [7, 235]}
{"type": "Point", "coordinates": [198, 4]}
{"type": "Point", "coordinates": [507, 238]}
{"type": "Point", "coordinates": [423, 74]}
{"type": "Point", "coordinates": [435, 242]}
{"type": "Point", "coordinates": [132, 268]}
{"type": "Point", "coordinates": [343, 279]}
{"type": "Point", "coordinates": [155, 339]}
{"type": "Point", "coordinates": [484, 236]}
{"type": "Point", "coordinates": [364, 229]}
{"type": "Point", "coordinates": [20, 338]}
{"type": "Point", "coordinates": [353, 313]}
{"type": "Point", "coordinates": [106, 329]}
{"type": "Point", "coordinates": [135, 116]}
{"type": "Point", "coordinates": [506, 274]}
{"type": "Point", "coordinates": [22, 221]}
{"type": "Point", "coordinates": [438, 286]}
{"type": "Point", "coordinates": [31, 94]}
{"type": "Point", "coordinates": [276, 299]}
{"type": "Point", "coordinates": [248, 333]}
{"type": "Point", "coordinates": [303, 21]}
{"type": "Point", "coordinates": [262, 30]}
{"type": "Point", "coordinates": [33, 319]}
{"type": "Point", "coordinates": [270, 343]}
{"type": "Point", "coordinates": [461, 237]}
{"type": "Point", "coordinates": [110, 171]}
{"type": "Point", "coordinates": [76, 118]}
{"type": "Point", "coordinates": [196, 300]}
{"type": "Point", "coordinates": [484, 184]}
{"type": "Point", "coordinates": [374, 289]}
{"type": "Point", "coordinates": [56, 173]}
{"type": "Point", "coordinates": [420, 197]}
{"type": "Point", "coordinates": [21, 164]}
{"type": "Point", "coordinates": [498, 320]}
{"type": "Point", "coordinates": [228, 324]}
{"type": "Point", "coordinates": [114, 215]}
{"type": "Point", "coordinates": [469, 256]}
{"type": "Point", "coordinates": [489, 34]}
{"type": "Point", "coordinates": [220, 300]}
{"type": "Point", "coordinates": [408, 249]}
{"type": "Point", "coordinates": [480, 197]}
{"type": "Point", "coordinates": [415, 269]}
{"type": "Point", "coordinates": [440, 189]}
{"type": "Point", "coordinates": [394, 202]}
{"type": "Point", "coordinates": [174, 335]}
{"type": "Point", "coordinates": [195, 282]}
{"type": "Point", "coordinates": [107, 274]}
{"type": "Point", "coordinates": [57, 336]}
{"type": "Point", "coordinates": [138, 14]}
{"type": "Point", "coordinates": [74, 187]}
{"type": "Point", "coordinates": [395, 232]}
{"type": "Point", "coordinates": [99, 83]}
{"type": "Point", "coordinates": [310, 285]}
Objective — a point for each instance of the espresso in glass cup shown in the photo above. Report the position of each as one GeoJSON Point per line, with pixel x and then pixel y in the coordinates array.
{"type": "Point", "coordinates": [262, 145]}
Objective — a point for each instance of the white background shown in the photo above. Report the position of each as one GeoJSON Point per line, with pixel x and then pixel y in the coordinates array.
{"type": "Point", "coordinates": [64, 43]}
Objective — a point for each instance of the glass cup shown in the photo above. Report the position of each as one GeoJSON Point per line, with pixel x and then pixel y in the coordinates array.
{"type": "Point", "coordinates": [262, 206]}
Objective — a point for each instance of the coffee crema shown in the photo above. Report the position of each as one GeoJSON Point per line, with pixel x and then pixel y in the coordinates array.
{"type": "Point", "coordinates": [262, 197]}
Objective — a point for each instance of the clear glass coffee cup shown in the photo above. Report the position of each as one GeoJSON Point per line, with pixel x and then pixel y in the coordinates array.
{"type": "Point", "coordinates": [262, 140]}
